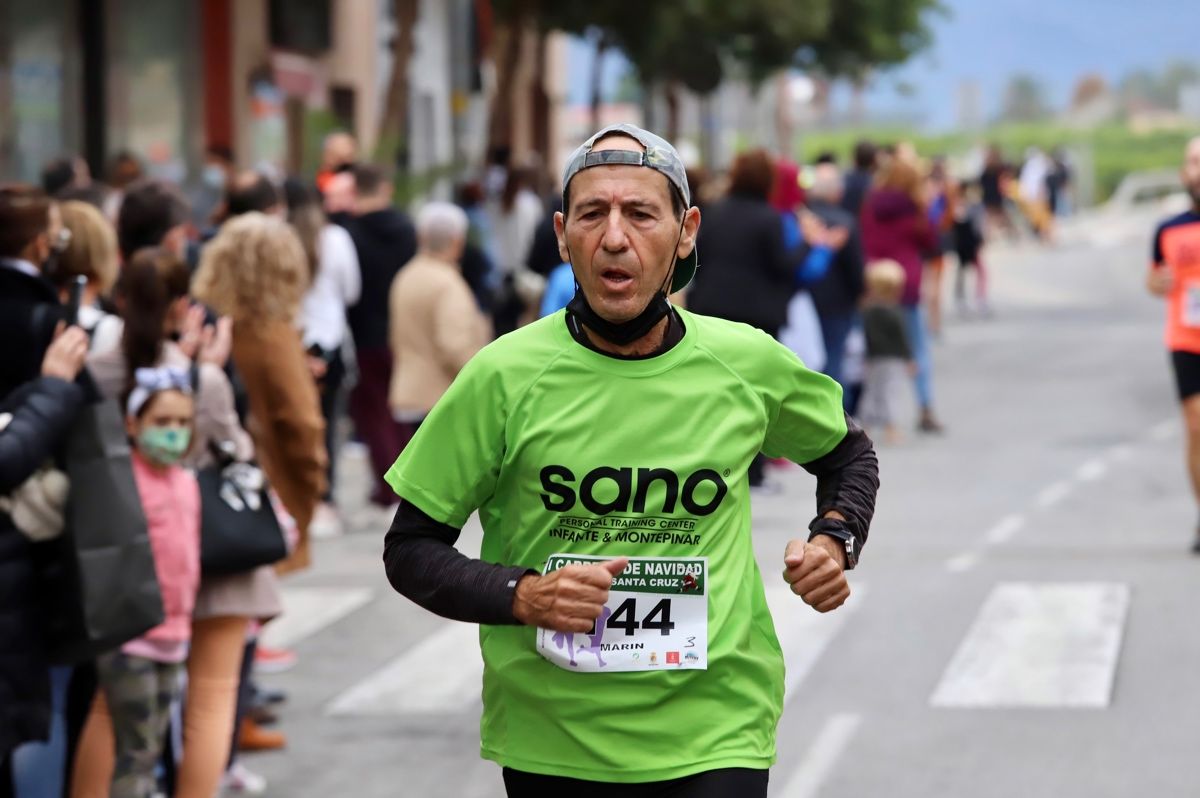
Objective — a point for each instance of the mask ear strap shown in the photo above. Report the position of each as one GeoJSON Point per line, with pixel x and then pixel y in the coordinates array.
{"type": "Point", "coordinates": [674, 259]}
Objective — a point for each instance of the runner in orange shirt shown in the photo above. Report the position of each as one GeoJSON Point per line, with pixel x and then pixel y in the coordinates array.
{"type": "Point", "coordinates": [1175, 274]}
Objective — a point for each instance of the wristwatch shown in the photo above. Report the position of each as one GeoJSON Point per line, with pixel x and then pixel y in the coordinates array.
{"type": "Point", "coordinates": [838, 530]}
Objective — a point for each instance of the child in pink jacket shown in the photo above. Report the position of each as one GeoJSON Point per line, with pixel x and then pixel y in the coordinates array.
{"type": "Point", "coordinates": [140, 681]}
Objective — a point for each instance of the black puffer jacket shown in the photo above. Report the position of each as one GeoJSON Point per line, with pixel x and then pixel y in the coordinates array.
{"type": "Point", "coordinates": [29, 309]}
{"type": "Point", "coordinates": [41, 413]}
{"type": "Point", "coordinates": [746, 273]}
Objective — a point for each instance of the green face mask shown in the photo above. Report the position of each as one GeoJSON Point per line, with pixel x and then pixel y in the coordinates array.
{"type": "Point", "coordinates": [164, 445]}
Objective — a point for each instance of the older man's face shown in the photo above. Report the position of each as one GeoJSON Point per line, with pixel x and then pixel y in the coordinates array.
{"type": "Point", "coordinates": [621, 234]}
{"type": "Point", "coordinates": [1191, 170]}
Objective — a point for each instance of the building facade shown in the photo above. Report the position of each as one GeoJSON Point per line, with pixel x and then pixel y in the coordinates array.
{"type": "Point", "coordinates": [267, 79]}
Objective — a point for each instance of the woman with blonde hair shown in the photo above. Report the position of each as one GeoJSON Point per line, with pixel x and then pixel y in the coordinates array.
{"type": "Point", "coordinates": [255, 271]}
{"type": "Point", "coordinates": [91, 253]}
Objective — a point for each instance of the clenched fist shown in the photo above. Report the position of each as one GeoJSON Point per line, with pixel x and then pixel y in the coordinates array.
{"type": "Point", "coordinates": [1160, 281]}
{"type": "Point", "coordinates": [816, 573]}
{"type": "Point", "coordinates": [567, 600]}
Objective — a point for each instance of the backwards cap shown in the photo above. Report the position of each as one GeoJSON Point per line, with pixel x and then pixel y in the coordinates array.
{"type": "Point", "coordinates": [659, 155]}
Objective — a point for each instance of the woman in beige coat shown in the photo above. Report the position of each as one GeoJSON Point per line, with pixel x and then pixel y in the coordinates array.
{"type": "Point", "coordinates": [435, 325]}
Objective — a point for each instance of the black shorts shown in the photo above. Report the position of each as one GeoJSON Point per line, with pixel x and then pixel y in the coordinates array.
{"type": "Point", "coordinates": [1187, 373]}
{"type": "Point", "coordinates": [723, 783]}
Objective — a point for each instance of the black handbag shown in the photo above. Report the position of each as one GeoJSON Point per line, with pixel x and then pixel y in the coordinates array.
{"type": "Point", "coordinates": [239, 530]}
{"type": "Point", "coordinates": [98, 585]}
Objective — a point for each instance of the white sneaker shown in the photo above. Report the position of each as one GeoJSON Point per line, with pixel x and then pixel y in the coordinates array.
{"type": "Point", "coordinates": [238, 779]}
{"type": "Point", "coordinates": [326, 522]}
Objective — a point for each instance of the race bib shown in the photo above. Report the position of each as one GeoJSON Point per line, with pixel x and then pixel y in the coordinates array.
{"type": "Point", "coordinates": [656, 618]}
{"type": "Point", "coordinates": [1191, 304]}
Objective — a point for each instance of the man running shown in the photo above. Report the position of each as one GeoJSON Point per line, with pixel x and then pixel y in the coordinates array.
{"type": "Point", "coordinates": [625, 632]}
{"type": "Point", "coordinates": [1175, 274]}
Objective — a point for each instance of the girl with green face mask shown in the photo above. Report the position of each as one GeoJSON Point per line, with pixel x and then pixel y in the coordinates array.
{"type": "Point", "coordinates": [140, 680]}
{"type": "Point", "coordinates": [159, 415]}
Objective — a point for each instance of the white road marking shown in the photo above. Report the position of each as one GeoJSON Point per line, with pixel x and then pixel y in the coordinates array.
{"type": "Point", "coordinates": [448, 666]}
{"type": "Point", "coordinates": [441, 674]}
{"type": "Point", "coordinates": [821, 757]}
{"type": "Point", "coordinates": [1164, 430]}
{"type": "Point", "coordinates": [804, 633]}
{"type": "Point", "coordinates": [1092, 470]}
{"type": "Point", "coordinates": [1003, 531]}
{"type": "Point", "coordinates": [961, 563]}
{"type": "Point", "coordinates": [1052, 494]}
{"type": "Point", "coordinates": [1120, 453]}
{"type": "Point", "coordinates": [1039, 645]}
{"type": "Point", "coordinates": [308, 610]}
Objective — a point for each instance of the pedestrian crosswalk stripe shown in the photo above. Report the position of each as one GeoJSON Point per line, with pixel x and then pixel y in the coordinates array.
{"type": "Point", "coordinates": [804, 633]}
{"type": "Point", "coordinates": [449, 668]}
{"type": "Point", "coordinates": [821, 758]}
{"type": "Point", "coordinates": [1039, 645]}
{"type": "Point", "coordinates": [441, 674]}
{"type": "Point", "coordinates": [308, 610]}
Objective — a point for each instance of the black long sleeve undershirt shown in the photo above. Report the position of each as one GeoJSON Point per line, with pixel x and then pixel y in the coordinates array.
{"type": "Point", "coordinates": [423, 565]}
{"type": "Point", "coordinates": [848, 479]}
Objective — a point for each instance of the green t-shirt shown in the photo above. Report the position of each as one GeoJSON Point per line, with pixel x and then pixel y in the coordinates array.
{"type": "Point", "coordinates": [545, 436]}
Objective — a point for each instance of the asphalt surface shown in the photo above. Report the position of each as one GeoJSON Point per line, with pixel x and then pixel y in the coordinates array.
{"type": "Point", "coordinates": [1061, 473]}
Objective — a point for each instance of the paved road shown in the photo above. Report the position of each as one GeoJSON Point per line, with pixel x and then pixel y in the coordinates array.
{"type": "Point", "coordinates": [1022, 621]}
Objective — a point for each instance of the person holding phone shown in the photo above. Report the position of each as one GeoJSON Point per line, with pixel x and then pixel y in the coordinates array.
{"type": "Point", "coordinates": [89, 254]}
{"type": "Point", "coordinates": [31, 243]}
{"type": "Point", "coordinates": [34, 419]}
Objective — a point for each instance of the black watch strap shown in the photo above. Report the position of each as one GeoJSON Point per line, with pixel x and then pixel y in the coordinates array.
{"type": "Point", "coordinates": [838, 530]}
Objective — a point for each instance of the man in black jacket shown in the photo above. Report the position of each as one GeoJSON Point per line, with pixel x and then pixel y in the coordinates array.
{"type": "Point", "coordinates": [385, 240]}
{"type": "Point", "coordinates": [836, 294]}
{"type": "Point", "coordinates": [30, 235]}
{"type": "Point", "coordinates": [858, 182]}
{"type": "Point", "coordinates": [749, 271]}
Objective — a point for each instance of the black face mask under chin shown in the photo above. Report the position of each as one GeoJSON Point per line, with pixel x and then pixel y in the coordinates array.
{"type": "Point", "coordinates": [622, 333]}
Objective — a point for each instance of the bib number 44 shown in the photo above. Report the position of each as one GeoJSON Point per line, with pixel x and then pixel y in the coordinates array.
{"type": "Point", "coordinates": [625, 617]}
{"type": "Point", "coordinates": [655, 618]}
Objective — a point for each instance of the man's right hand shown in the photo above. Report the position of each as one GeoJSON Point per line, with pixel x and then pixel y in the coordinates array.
{"type": "Point", "coordinates": [567, 600]}
{"type": "Point", "coordinates": [1159, 281]}
{"type": "Point", "coordinates": [66, 354]}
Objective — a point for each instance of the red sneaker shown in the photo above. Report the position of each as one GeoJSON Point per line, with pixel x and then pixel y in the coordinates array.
{"type": "Point", "coordinates": [273, 660]}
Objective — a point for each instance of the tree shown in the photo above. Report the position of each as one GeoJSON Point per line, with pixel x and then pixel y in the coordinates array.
{"type": "Point", "coordinates": [393, 125]}
{"type": "Point", "coordinates": [512, 19]}
{"type": "Point", "coordinates": [1024, 100]}
{"type": "Point", "coordinates": [691, 44]}
{"type": "Point", "coordinates": [870, 35]}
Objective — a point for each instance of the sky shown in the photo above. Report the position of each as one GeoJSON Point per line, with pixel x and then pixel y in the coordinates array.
{"type": "Point", "coordinates": [987, 41]}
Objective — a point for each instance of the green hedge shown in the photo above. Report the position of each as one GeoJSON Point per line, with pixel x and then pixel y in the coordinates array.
{"type": "Point", "coordinates": [1115, 149]}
